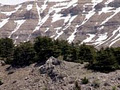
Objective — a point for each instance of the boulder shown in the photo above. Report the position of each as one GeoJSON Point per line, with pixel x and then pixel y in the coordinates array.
{"type": "Point", "coordinates": [53, 68]}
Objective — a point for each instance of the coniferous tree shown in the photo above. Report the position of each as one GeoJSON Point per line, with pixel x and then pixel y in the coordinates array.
{"type": "Point", "coordinates": [56, 50]}
{"type": "Point", "coordinates": [6, 48]}
{"type": "Point", "coordinates": [66, 49]}
{"type": "Point", "coordinates": [87, 53]}
{"type": "Point", "coordinates": [105, 61]}
{"type": "Point", "coordinates": [24, 54]}
{"type": "Point", "coordinates": [44, 48]}
{"type": "Point", "coordinates": [75, 53]}
{"type": "Point", "coordinates": [116, 52]}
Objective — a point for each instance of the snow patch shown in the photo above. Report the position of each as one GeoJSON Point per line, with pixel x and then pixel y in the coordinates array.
{"type": "Point", "coordinates": [40, 21]}
{"type": "Point", "coordinates": [89, 38]}
{"type": "Point", "coordinates": [105, 10]}
{"type": "Point", "coordinates": [116, 38]}
{"type": "Point", "coordinates": [58, 7]}
{"type": "Point", "coordinates": [115, 13]}
{"type": "Point", "coordinates": [69, 20]}
{"type": "Point", "coordinates": [72, 36]}
{"type": "Point", "coordinates": [57, 17]}
{"type": "Point", "coordinates": [19, 23]}
{"type": "Point", "coordinates": [11, 12]}
{"type": "Point", "coordinates": [4, 21]}
{"type": "Point", "coordinates": [101, 38]}
{"type": "Point", "coordinates": [92, 12]}
{"type": "Point", "coordinates": [109, 1]}
{"type": "Point", "coordinates": [47, 30]}
{"type": "Point", "coordinates": [29, 7]}
{"type": "Point", "coordinates": [58, 33]}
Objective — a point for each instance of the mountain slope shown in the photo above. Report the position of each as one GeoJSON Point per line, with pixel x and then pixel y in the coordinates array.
{"type": "Point", "coordinates": [95, 22]}
{"type": "Point", "coordinates": [56, 75]}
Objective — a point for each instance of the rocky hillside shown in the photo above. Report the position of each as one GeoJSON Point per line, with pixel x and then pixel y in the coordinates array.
{"type": "Point", "coordinates": [57, 75]}
{"type": "Point", "coordinates": [95, 22]}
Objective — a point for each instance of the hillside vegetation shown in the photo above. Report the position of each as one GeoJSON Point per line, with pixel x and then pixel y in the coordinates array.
{"type": "Point", "coordinates": [23, 54]}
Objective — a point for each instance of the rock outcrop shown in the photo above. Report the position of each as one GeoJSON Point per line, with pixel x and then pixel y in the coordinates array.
{"type": "Point", "coordinates": [52, 68]}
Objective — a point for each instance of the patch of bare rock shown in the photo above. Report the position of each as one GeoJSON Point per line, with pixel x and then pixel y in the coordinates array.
{"type": "Point", "coordinates": [56, 75]}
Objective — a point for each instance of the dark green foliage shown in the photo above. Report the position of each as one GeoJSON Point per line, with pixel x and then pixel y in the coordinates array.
{"type": "Point", "coordinates": [44, 48]}
{"type": "Point", "coordinates": [85, 81]}
{"type": "Point", "coordinates": [75, 54]}
{"type": "Point", "coordinates": [105, 61]}
{"type": "Point", "coordinates": [45, 88]}
{"type": "Point", "coordinates": [23, 54]}
{"type": "Point", "coordinates": [116, 52]}
{"type": "Point", "coordinates": [56, 49]}
{"type": "Point", "coordinates": [6, 48]}
{"type": "Point", "coordinates": [65, 48]}
{"type": "Point", "coordinates": [1, 82]}
{"type": "Point", "coordinates": [87, 53]}
{"type": "Point", "coordinates": [114, 88]}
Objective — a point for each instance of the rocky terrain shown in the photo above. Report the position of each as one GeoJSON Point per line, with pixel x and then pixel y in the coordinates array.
{"type": "Point", "coordinates": [95, 22]}
{"type": "Point", "coordinates": [56, 75]}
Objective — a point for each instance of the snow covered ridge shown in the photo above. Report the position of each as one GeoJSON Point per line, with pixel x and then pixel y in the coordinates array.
{"type": "Point", "coordinates": [95, 22]}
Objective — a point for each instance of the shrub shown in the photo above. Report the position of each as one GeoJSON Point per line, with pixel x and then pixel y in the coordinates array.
{"type": "Point", "coordinates": [1, 82]}
{"type": "Point", "coordinates": [77, 87]}
{"type": "Point", "coordinates": [45, 88]}
{"type": "Point", "coordinates": [114, 88]}
{"type": "Point", "coordinates": [85, 80]}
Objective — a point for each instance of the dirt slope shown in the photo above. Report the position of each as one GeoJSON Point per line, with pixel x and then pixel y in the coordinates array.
{"type": "Point", "coordinates": [56, 75]}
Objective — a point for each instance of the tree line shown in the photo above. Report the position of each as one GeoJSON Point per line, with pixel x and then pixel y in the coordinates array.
{"type": "Point", "coordinates": [26, 53]}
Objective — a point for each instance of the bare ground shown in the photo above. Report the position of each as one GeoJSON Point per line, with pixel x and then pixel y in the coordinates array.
{"type": "Point", "coordinates": [56, 75]}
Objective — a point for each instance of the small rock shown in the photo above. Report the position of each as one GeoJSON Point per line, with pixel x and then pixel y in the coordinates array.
{"type": "Point", "coordinates": [26, 78]}
{"type": "Point", "coordinates": [106, 84]}
{"type": "Point", "coordinates": [118, 78]}
{"type": "Point", "coordinates": [2, 63]}
{"type": "Point", "coordinates": [14, 82]}
{"type": "Point", "coordinates": [10, 72]}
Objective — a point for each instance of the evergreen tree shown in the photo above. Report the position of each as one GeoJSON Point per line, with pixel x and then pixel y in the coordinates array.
{"type": "Point", "coordinates": [24, 54]}
{"type": "Point", "coordinates": [105, 61]}
{"type": "Point", "coordinates": [116, 52]}
{"type": "Point", "coordinates": [66, 49]}
{"type": "Point", "coordinates": [56, 51]}
{"type": "Point", "coordinates": [44, 48]}
{"type": "Point", "coordinates": [87, 53]}
{"type": "Point", "coordinates": [6, 48]}
{"type": "Point", "coordinates": [75, 53]}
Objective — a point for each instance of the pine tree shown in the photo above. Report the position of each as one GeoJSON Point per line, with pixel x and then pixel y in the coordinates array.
{"type": "Point", "coordinates": [24, 54]}
{"type": "Point", "coordinates": [87, 53]}
{"type": "Point", "coordinates": [105, 61]}
{"type": "Point", "coordinates": [44, 48]}
{"type": "Point", "coordinates": [116, 52]}
{"type": "Point", "coordinates": [6, 48]}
